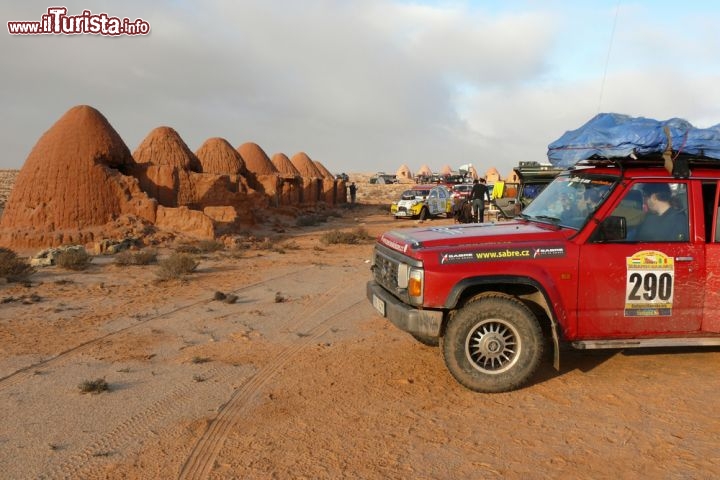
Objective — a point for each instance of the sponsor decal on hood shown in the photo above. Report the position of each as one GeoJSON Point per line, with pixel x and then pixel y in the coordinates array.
{"type": "Point", "coordinates": [502, 254]}
{"type": "Point", "coordinates": [394, 245]}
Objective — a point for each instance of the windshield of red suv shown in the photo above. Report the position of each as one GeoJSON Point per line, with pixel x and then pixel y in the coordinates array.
{"type": "Point", "coordinates": [569, 200]}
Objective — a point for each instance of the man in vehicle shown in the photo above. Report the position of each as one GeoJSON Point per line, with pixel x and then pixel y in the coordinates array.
{"type": "Point", "coordinates": [663, 221]}
{"type": "Point", "coordinates": [477, 195]}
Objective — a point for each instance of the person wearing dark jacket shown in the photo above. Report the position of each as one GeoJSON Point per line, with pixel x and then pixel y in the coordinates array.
{"type": "Point", "coordinates": [353, 192]}
{"type": "Point", "coordinates": [478, 194]}
{"type": "Point", "coordinates": [663, 223]}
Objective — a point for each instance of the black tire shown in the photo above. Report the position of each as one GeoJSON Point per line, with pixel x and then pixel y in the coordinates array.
{"type": "Point", "coordinates": [493, 344]}
{"type": "Point", "coordinates": [423, 213]}
{"type": "Point", "coordinates": [425, 340]}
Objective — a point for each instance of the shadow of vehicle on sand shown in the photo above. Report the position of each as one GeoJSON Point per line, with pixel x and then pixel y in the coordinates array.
{"type": "Point", "coordinates": [586, 360]}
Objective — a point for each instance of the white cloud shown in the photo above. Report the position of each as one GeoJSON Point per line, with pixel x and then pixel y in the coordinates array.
{"type": "Point", "coordinates": [363, 86]}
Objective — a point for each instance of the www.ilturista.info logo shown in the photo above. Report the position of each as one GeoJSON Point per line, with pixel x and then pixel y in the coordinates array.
{"type": "Point", "coordinates": [58, 22]}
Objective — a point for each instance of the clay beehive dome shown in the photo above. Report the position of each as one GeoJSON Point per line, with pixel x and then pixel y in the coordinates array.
{"type": "Point", "coordinates": [256, 160]}
{"type": "Point", "coordinates": [425, 170]}
{"type": "Point", "coordinates": [217, 156]}
{"type": "Point", "coordinates": [284, 165]}
{"type": "Point", "coordinates": [324, 172]}
{"type": "Point", "coordinates": [163, 146]}
{"type": "Point", "coordinates": [305, 166]}
{"type": "Point", "coordinates": [71, 178]}
{"type": "Point", "coordinates": [404, 172]}
{"type": "Point", "coordinates": [492, 175]}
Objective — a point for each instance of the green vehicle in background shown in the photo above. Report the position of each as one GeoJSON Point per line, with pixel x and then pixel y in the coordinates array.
{"type": "Point", "coordinates": [511, 198]}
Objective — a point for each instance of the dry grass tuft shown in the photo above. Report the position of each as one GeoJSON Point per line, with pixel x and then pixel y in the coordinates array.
{"type": "Point", "coordinates": [73, 259]}
{"type": "Point", "coordinates": [94, 386]}
{"type": "Point", "coordinates": [143, 257]}
{"type": "Point", "coordinates": [354, 237]}
{"type": "Point", "coordinates": [176, 266]}
{"type": "Point", "coordinates": [12, 267]}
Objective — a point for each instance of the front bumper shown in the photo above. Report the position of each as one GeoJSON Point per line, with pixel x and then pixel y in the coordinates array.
{"type": "Point", "coordinates": [412, 320]}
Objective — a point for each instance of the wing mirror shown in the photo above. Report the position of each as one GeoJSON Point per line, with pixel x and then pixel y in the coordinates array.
{"type": "Point", "coordinates": [611, 229]}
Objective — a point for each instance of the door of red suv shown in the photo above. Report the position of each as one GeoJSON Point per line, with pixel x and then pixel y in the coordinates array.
{"type": "Point", "coordinates": [648, 284]}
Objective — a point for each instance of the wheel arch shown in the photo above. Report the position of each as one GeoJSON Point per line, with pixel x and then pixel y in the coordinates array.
{"type": "Point", "coordinates": [528, 290]}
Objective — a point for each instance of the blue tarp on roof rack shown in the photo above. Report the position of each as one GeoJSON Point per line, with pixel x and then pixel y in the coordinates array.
{"type": "Point", "coordinates": [612, 135]}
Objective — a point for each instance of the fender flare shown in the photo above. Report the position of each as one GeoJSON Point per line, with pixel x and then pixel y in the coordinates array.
{"type": "Point", "coordinates": [457, 290]}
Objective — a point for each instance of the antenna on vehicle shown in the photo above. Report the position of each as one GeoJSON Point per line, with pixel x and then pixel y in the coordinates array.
{"type": "Point", "coordinates": [607, 59]}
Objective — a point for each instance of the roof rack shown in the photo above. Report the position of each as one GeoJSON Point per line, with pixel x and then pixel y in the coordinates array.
{"type": "Point", "coordinates": [677, 164]}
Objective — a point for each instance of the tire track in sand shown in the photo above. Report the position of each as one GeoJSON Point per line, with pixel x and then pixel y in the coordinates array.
{"type": "Point", "coordinates": [27, 371]}
{"type": "Point", "coordinates": [129, 435]}
{"type": "Point", "coordinates": [202, 457]}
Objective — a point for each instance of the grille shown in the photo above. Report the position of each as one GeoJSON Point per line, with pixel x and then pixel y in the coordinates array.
{"type": "Point", "coordinates": [385, 272]}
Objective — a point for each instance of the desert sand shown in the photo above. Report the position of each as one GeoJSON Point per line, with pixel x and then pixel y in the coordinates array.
{"type": "Point", "coordinates": [299, 378]}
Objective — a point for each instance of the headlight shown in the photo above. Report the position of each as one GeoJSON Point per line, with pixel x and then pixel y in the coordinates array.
{"type": "Point", "coordinates": [411, 279]}
{"type": "Point", "coordinates": [415, 284]}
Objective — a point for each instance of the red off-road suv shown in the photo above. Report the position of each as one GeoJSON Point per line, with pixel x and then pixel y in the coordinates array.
{"type": "Point", "coordinates": [579, 267]}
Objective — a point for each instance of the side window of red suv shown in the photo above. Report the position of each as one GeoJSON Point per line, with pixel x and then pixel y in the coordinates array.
{"type": "Point", "coordinates": [655, 212]}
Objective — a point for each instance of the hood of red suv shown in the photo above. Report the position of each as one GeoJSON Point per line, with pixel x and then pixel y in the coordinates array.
{"type": "Point", "coordinates": [494, 234]}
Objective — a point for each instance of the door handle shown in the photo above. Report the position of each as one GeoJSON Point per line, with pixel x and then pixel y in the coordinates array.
{"type": "Point", "coordinates": [684, 259]}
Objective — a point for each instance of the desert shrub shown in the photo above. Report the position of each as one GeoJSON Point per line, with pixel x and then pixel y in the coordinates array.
{"type": "Point", "coordinates": [73, 259]}
{"type": "Point", "coordinates": [94, 386]}
{"type": "Point", "coordinates": [12, 267]}
{"type": "Point", "coordinates": [333, 237]}
{"type": "Point", "coordinates": [186, 248]}
{"type": "Point", "coordinates": [143, 257]}
{"type": "Point", "coordinates": [176, 265]}
{"type": "Point", "coordinates": [266, 243]}
{"type": "Point", "coordinates": [291, 245]}
{"type": "Point", "coordinates": [283, 247]}
{"type": "Point", "coordinates": [209, 246]}
{"type": "Point", "coordinates": [307, 220]}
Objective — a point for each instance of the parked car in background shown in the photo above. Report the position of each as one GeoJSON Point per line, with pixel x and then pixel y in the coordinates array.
{"type": "Point", "coordinates": [461, 191]}
{"type": "Point", "coordinates": [504, 203]}
{"type": "Point", "coordinates": [454, 179]}
{"type": "Point", "coordinates": [509, 199]}
{"type": "Point", "coordinates": [383, 178]}
{"type": "Point", "coordinates": [534, 177]}
{"type": "Point", "coordinates": [342, 176]}
{"type": "Point", "coordinates": [423, 201]}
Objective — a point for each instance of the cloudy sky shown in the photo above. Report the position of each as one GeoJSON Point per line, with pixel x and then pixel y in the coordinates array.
{"type": "Point", "coordinates": [366, 85]}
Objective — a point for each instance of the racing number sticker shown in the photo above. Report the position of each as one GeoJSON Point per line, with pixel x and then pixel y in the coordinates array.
{"type": "Point", "coordinates": [650, 281]}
